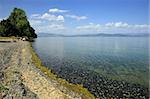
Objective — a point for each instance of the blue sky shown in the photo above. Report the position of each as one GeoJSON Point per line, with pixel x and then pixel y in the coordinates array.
{"type": "Point", "coordinates": [82, 16]}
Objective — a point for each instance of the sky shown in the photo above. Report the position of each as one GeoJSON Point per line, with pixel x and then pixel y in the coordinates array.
{"type": "Point", "coordinates": [83, 16]}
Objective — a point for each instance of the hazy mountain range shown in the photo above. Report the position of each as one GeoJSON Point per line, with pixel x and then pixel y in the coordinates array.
{"type": "Point", "coordinates": [93, 35]}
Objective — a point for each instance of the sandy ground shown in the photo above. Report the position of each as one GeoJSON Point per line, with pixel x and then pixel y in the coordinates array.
{"type": "Point", "coordinates": [20, 79]}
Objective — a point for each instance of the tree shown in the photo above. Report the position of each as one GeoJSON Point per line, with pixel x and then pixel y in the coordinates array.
{"type": "Point", "coordinates": [17, 25]}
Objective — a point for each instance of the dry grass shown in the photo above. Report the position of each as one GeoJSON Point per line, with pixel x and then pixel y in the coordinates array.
{"type": "Point", "coordinates": [11, 37]}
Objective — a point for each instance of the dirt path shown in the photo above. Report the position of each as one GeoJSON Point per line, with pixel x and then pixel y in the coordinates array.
{"type": "Point", "coordinates": [22, 80]}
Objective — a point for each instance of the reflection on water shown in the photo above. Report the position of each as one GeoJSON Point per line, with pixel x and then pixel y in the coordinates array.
{"type": "Point", "coordinates": [118, 58]}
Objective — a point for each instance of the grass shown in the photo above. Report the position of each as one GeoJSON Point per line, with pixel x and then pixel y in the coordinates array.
{"type": "Point", "coordinates": [11, 37]}
{"type": "Point", "coordinates": [85, 94]}
{"type": "Point", "coordinates": [3, 88]}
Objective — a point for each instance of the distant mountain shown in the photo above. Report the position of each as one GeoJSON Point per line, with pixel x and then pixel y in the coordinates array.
{"type": "Point", "coordinates": [49, 35]}
{"type": "Point", "coordinates": [93, 35]}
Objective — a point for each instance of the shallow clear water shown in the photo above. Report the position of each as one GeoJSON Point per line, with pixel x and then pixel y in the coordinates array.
{"type": "Point", "coordinates": [119, 58]}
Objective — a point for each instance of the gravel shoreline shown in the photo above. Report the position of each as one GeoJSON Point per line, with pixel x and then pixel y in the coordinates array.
{"type": "Point", "coordinates": [11, 84]}
{"type": "Point", "coordinates": [20, 79]}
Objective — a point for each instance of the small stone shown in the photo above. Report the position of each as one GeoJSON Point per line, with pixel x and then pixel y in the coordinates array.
{"type": "Point", "coordinates": [24, 93]}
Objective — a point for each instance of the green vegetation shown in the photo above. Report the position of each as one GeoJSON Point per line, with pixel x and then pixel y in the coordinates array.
{"type": "Point", "coordinates": [16, 25]}
{"type": "Point", "coordinates": [85, 94]}
{"type": "Point", "coordinates": [3, 88]}
{"type": "Point", "coordinates": [11, 37]}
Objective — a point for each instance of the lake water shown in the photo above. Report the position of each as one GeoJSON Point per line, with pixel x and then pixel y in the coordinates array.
{"type": "Point", "coordinates": [79, 58]}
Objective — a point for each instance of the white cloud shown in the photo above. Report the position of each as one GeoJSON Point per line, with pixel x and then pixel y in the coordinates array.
{"type": "Point", "coordinates": [77, 17]}
{"type": "Point", "coordinates": [35, 22]}
{"type": "Point", "coordinates": [51, 28]}
{"type": "Point", "coordinates": [47, 23]}
{"type": "Point", "coordinates": [142, 26]}
{"type": "Point", "coordinates": [35, 15]}
{"type": "Point", "coordinates": [113, 27]}
{"type": "Point", "coordinates": [51, 23]}
{"type": "Point", "coordinates": [49, 17]}
{"type": "Point", "coordinates": [89, 28]}
{"type": "Point", "coordinates": [117, 24]}
{"type": "Point", "coordinates": [55, 10]}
